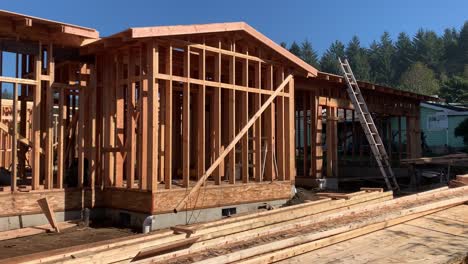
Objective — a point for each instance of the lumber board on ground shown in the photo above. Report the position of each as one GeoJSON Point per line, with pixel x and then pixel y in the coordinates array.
{"type": "Point", "coordinates": [127, 248]}
{"type": "Point", "coordinates": [35, 230]}
{"type": "Point", "coordinates": [304, 243]}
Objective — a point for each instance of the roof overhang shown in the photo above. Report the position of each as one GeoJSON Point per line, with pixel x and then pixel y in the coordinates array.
{"type": "Point", "coordinates": [19, 26]}
{"type": "Point", "coordinates": [379, 88]}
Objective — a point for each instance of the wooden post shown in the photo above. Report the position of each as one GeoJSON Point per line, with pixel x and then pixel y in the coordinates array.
{"type": "Point", "coordinates": [305, 107]}
{"type": "Point", "coordinates": [119, 120]}
{"type": "Point", "coordinates": [152, 60]}
{"type": "Point", "coordinates": [332, 147]}
{"type": "Point", "coordinates": [49, 140]}
{"type": "Point", "coordinates": [36, 121]}
{"type": "Point", "coordinates": [81, 125]}
{"type": "Point", "coordinates": [14, 147]}
{"type": "Point", "coordinates": [201, 103]}
{"type": "Point", "coordinates": [232, 117]}
{"type": "Point", "coordinates": [313, 133]}
{"type": "Point", "coordinates": [244, 112]}
{"type": "Point", "coordinates": [280, 129]}
{"type": "Point", "coordinates": [258, 125]}
{"type": "Point", "coordinates": [400, 147]}
{"type": "Point", "coordinates": [186, 121]}
{"type": "Point", "coordinates": [93, 119]}
{"type": "Point", "coordinates": [131, 122]}
{"type": "Point", "coordinates": [168, 118]}
{"type": "Point", "coordinates": [216, 124]}
{"type": "Point", "coordinates": [61, 138]}
{"type": "Point", "coordinates": [290, 137]}
{"type": "Point", "coordinates": [270, 129]}
{"type": "Point", "coordinates": [144, 121]}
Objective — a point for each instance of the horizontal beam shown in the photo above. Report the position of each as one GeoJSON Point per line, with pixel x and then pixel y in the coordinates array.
{"type": "Point", "coordinates": [17, 80]}
{"type": "Point", "coordinates": [167, 77]}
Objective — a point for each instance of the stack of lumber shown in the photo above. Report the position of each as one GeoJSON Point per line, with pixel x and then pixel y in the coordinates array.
{"type": "Point", "coordinates": [460, 180]}
{"type": "Point", "coordinates": [264, 237]}
{"type": "Point", "coordinates": [460, 158]}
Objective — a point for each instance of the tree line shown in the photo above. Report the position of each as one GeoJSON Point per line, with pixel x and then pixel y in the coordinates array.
{"type": "Point", "coordinates": [426, 63]}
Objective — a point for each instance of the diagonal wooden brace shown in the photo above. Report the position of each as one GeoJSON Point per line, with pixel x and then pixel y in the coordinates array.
{"type": "Point", "coordinates": [231, 145]}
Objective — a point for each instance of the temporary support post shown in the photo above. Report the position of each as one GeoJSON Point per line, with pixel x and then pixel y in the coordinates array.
{"type": "Point", "coordinates": [232, 144]}
{"type": "Point", "coordinates": [49, 138]}
{"type": "Point", "coordinates": [216, 123]}
{"type": "Point", "coordinates": [61, 138]}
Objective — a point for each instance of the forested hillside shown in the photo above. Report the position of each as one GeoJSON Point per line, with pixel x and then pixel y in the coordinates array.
{"type": "Point", "coordinates": [425, 63]}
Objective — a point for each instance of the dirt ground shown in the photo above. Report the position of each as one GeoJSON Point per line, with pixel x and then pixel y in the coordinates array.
{"type": "Point", "coordinates": [66, 238]}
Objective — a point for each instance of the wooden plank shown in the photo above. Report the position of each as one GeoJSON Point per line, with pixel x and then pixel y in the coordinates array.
{"type": "Point", "coordinates": [36, 124]}
{"type": "Point", "coordinates": [168, 119]}
{"type": "Point", "coordinates": [290, 121]}
{"type": "Point", "coordinates": [305, 108]}
{"type": "Point", "coordinates": [49, 213]}
{"type": "Point", "coordinates": [231, 145]}
{"type": "Point", "coordinates": [164, 248]}
{"type": "Point", "coordinates": [359, 228]}
{"type": "Point", "coordinates": [201, 118]}
{"type": "Point", "coordinates": [186, 122]}
{"type": "Point", "coordinates": [30, 231]}
{"type": "Point", "coordinates": [49, 139]}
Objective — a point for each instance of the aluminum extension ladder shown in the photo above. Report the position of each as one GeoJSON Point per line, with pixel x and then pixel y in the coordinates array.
{"type": "Point", "coordinates": [368, 125]}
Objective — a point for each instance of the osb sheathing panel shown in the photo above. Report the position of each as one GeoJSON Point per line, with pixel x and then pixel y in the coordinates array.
{"type": "Point", "coordinates": [216, 196]}
{"type": "Point", "coordinates": [23, 203]}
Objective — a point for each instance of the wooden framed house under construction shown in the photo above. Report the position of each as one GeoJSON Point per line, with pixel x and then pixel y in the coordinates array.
{"type": "Point", "coordinates": [215, 118]}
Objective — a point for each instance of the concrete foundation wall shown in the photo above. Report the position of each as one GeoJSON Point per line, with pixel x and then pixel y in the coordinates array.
{"type": "Point", "coordinates": [134, 219]}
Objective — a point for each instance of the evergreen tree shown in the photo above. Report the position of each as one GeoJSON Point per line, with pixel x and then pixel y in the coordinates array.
{"type": "Point", "coordinates": [295, 49]}
{"type": "Point", "coordinates": [357, 58]}
{"type": "Point", "coordinates": [429, 49]}
{"type": "Point", "coordinates": [329, 60]}
{"type": "Point", "coordinates": [404, 55]}
{"type": "Point", "coordinates": [381, 57]}
{"type": "Point", "coordinates": [419, 79]}
{"type": "Point", "coordinates": [450, 51]}
{"type": "Point", "coordinates": [463, 47]}
{"type": "Point", "coordinates": [455, 90]}
{"type": "Point", "coordinates": [308, 54]}
{"type": "Point", "coordinates": [283, 44]}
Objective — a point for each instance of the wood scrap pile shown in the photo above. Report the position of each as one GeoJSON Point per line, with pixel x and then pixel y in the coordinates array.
{"type": "Point", "coordinates": [267, 236]}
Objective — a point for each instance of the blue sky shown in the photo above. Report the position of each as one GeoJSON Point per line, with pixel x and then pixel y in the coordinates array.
{"type": "Point", "coordinates": [321, 22]}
